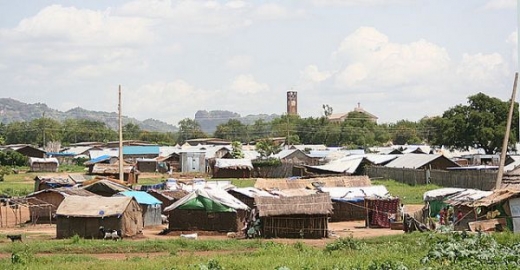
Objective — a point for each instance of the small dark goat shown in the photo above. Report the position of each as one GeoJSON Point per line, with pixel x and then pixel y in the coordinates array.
{"type": "Point", "coordinates": [111, 234]}
{"type": "Point", "coordinates": [15, 237]}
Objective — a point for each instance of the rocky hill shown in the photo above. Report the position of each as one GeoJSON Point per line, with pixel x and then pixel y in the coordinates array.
{"type": "Point", "coordinates": [15, 111]}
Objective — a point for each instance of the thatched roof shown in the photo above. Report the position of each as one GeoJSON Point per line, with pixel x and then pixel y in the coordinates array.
{"type": "Point", "coordinates": [497, 196]}
{"type": "Point", "coordinates": [314, 204]}
{"type": "Point", "coordinates": [341, 181]}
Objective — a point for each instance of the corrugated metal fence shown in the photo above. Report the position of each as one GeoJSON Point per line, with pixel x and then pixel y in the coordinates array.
{"type": "Point", "coordinates": [483, 180]}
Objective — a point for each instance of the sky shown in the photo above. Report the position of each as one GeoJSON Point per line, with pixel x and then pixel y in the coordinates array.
{"type": "Point", "coordinates": [399, 59]}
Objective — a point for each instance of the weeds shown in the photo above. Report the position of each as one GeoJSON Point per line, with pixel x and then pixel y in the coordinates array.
{"type": "Point", "coordinates": [345, 243]}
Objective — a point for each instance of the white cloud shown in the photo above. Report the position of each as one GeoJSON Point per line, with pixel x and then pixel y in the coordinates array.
{"type": "Point", "coordinates": [513, 40]}
{"type": "Point", "coordinates": [500, 4]}
{"type": "Point", "coordinates": [350, 3]}
{"type": "Point", "coordinates": [166, 100]}
{"type": "Point", "coordinates": [311, 74]}
{"type": "Point", "coordinates": [370, 59]}
{"type": "Point", "coordinates": [273, 11]}
{"type": "Point", "coordinates": [190, 16]}
{"type": "Point", "coordinates": [239, 62]}
{"type": "Point", "coordinates": [68, 25]}
{"type": "Point", "coordinates": [246, 84]}
{"type": "Point", "coordinates": [482, 70]}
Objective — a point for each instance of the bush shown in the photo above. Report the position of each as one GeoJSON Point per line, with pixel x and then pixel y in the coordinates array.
{"type": "Point", "coordinates": [345, 243]}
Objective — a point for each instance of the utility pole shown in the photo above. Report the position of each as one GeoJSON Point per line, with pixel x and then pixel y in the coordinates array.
{"type": "Point", "coordinates": [43, 129]}
{"type": "Point", "coordinates": [121, 173]}
{"type": "Point", "coordinates": [506, 136]}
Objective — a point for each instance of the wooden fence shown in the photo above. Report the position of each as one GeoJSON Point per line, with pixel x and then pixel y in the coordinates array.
{"type": "Point", "coordinates": [477, 179]}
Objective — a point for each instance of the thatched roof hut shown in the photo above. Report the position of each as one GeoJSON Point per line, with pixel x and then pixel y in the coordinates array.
{"type": "Point", "coordinates": [232, 168]}
{"type": "Point", "coordinates": [294, 217]}
{"type": "Point", "coordinates": [76, 215]}
{"type": "Point", "coordinates": [130, 172]}
{"type": "Point", "coordinates": [342, 181]}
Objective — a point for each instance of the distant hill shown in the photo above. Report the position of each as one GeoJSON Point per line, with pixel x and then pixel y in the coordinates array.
{"type": "Point", "coordinates": [15, 111]}
{"type": "Point", "coordinates": [209, 121]}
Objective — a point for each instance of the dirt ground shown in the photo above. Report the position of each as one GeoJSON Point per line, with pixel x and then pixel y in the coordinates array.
{"type": "Point", "coordinates": [10, 224]}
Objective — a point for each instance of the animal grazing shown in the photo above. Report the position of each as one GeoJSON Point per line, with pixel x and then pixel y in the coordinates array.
{"type": "Point", "coordinates": [15, 237]}
{"type": "Point", "coordinates": [189, 236]}
{"type": "Point", "coordinates": [111, 234]}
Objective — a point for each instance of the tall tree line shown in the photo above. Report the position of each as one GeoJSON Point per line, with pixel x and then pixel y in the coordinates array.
{"type": "Point", "coordinates": [480, 124]}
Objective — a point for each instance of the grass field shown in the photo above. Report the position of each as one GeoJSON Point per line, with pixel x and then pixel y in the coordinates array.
{"type": "Point", "coordinates": [408, 194]}
{"type": "Point", "coordinates": [409, 251]}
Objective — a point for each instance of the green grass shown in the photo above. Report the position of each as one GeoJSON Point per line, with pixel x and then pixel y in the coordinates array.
{"type": "Point", "coordinates": [389, 252]}
{"type": "Point", "coordinates": [408, 194]}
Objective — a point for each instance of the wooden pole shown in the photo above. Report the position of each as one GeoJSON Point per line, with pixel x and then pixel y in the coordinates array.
{"type": "Point", "coordinates": [500, 173]}
{"type": "Point", "coordinates": [121, 173]}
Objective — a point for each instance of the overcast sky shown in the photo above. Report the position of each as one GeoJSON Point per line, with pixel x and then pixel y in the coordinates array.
{"type": "Point", "coordinates": [401, 59]}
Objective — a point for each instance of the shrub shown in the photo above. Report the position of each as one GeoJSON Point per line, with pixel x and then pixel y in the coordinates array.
{"type": "Point", "coordinates": [344, 243]}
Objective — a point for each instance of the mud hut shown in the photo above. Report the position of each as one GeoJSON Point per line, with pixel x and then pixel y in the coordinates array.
{"type": "Point", "coordinates": [77, 216]}
{"type": "Point", "coordinates": [348, 203]}
{"type": "Point", "coordinates": [43, 164]}
{"type": "Point", "coordinates": [207, 210]}
{"type": "Point", "coordinates": [232, 168]}
{"type": "Point", "coordinates": [130, 172]}
{"type": "Point", "coordinates": [294, 217]}
{"type": "Point", "coordinates": [43, 204]}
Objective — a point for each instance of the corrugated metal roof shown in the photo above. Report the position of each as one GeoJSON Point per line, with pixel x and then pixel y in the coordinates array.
{"type": "Point", "coordinates": [141, 197]}
{"type": "Point", "coordinates": [344, 165]}
{"type": "Point", "coordinates": [98, 159]}
{"type": "Point", "coordinates": [412, 161]}
{"type": "Point", "coordinates": [141, 150]}
{"type": "Point", "coordinates": [108, 151]}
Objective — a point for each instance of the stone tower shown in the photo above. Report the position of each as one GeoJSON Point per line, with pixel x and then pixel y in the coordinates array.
{"type": "Point", "coordinates": [292, 103]}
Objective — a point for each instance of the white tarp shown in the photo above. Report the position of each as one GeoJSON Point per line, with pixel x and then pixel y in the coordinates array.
{"type": "Point", "coordinates": [514, 206]}
{"type": "Point", "coordinates": [217, 195]}
{"type": "Point", "coordinates": [355, 193]}
{"type": "Point", "coordinates": [440, 193]}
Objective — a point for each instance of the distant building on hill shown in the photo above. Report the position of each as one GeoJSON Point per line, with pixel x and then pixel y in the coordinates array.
{"type": "Point", "coordinates": [340, 117]}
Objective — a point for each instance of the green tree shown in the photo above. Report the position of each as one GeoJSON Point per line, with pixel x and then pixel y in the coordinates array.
{"type": "Point", "coordinates": [233, 130]}
{"type": "Point", "coordinates": [267, 147]}
{"type": "Point", "coordinates": [131, 131]}
{"type": "Point", "coordinates": [480, 124]}
{"type": "Point", "coordinates": [236, 150]}
{"type": "Point", "coordinates": [189, 129]}
{"type": "Point", "coordinates": [405, 132]}
{"type": "Point", "coordinates": [84, 130]}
